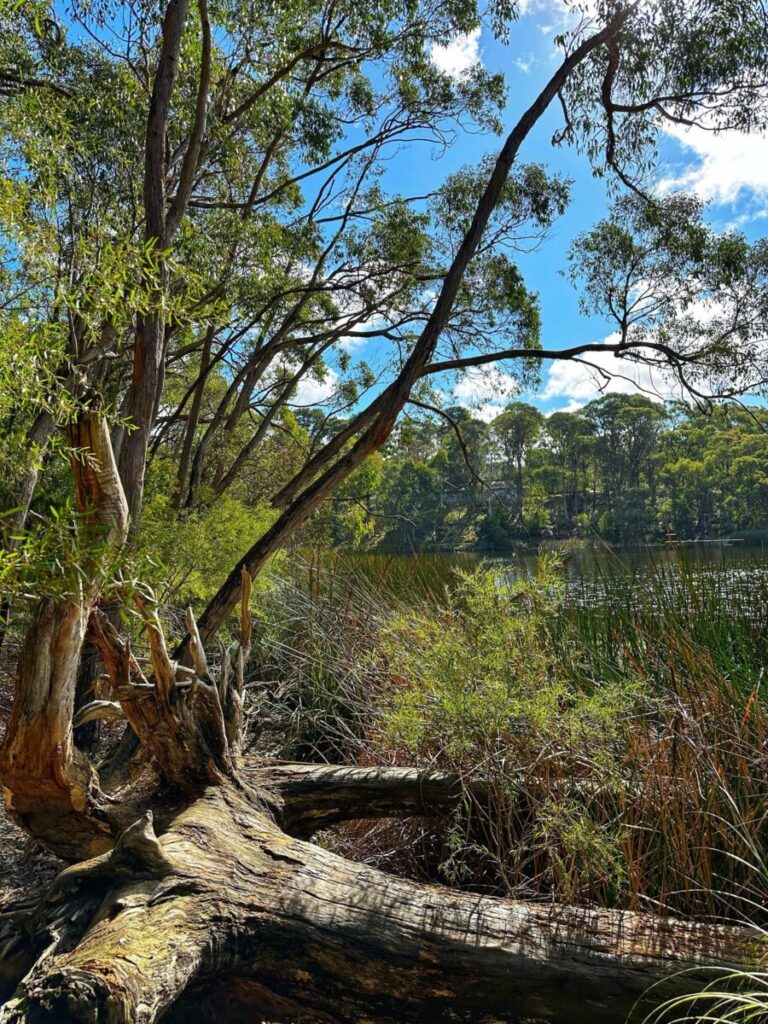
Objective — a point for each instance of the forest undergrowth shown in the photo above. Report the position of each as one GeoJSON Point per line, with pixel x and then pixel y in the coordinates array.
{"type": "Point", "coordinates": [611, 755]}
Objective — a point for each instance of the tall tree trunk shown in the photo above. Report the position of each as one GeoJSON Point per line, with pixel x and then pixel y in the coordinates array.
{"type": "Point", "coordinates": [143, 398]}
{"type": "Point", "coordinates": [141, 408]}
{"type": "Point", "coordinates": [193, 421]}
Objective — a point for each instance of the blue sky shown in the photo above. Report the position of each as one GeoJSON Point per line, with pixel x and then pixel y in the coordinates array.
{"type": "Point", "coordinates": [729, 171]}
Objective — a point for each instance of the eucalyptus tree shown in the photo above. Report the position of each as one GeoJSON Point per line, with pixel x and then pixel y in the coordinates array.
{"type": "Point", "coordinates": [626, 430]}
{"type": "Point", "coordinates": [677, 296]}
{"type": "Point", "coordinates": [572, 442]}
{"type": "Point", "coordinates": [175, 179]}
{"type": "Point", "coordinates": [515, 432]}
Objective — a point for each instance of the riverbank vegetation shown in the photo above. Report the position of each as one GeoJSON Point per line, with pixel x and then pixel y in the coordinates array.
{"type": "Point", "coordinates": [611, 751]}
{"type": "Point", "coordinates": [626, 468]}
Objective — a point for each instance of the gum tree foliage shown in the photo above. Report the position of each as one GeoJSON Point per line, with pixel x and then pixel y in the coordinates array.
{"type": "Point", "coordinates": [679, 298]}
{"type": "Point", "coordinates": [624, 467]}
{"type": "Point", "coordinates": [515, 432]}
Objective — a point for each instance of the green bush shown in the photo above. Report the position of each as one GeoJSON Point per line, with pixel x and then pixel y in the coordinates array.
{"type": "Point", "coordinates": [477, 687]}
{"type": "Point", "coordinates": [185, 555]}
{"type": "Point", "coordinates": [615, 734]}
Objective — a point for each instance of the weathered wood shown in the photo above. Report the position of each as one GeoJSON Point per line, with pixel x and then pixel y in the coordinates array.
{"type": "Point", "coordinates": [180, 722]}
{"type": "Point", "coordinates": [136, 854]}
{"type": "Point", "coordinates": [307, 797]}
{"type": "Point", "coordinates": [344, 942]}
{"type": "Point", "coordinates": [48, 785]}
{"type": "Point", "coordinates": [98, 710]}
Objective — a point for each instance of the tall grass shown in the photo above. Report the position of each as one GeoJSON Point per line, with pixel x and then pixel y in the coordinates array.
{"type": "Point", "coordinates": [695, 816]}
{"type": "Point", "coordinates": [623, 615]}
{"type": "Point", "coordinates": [621, 732]}
{"type": "Point", "coordinates": [726, 996]}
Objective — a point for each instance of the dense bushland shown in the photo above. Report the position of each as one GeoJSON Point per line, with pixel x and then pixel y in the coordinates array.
{"type": "Point", "coordinates": [627, 468]}
{"type": "Point", "coordinates": [611, 756]}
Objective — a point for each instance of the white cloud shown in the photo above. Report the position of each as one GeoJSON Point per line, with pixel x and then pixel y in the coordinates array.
{"type": "Point", "coordinates": [458, 56]}
{"type": "Point", "coordinates": [738, 222]}
{"type": "Point", "coordinates": [351, 343]}
{"type": "Point", "coordinates": [572, 384]}
{"type": "Point", "coordinates": [525, 64]}
{"type": "Point", "coordinates": [558, 15]}
{"type": "Point", "coordinates": [487, 412]}
{"type": "Point", "coordinates": [726, 165]}
{"type": "Point", "coordinates": [478, 387]}
{"type": "Point", "coordinates": [314, 392]}
{"type": "Point", "coordinates": [484, 392]}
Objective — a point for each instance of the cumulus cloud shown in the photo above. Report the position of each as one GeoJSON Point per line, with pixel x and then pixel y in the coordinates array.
{"type": "Point", "coordinates": [570, 385]}
{"type": "Point", "coordinates": [485, 391]}
{"type": "Point", "coordinates": [315, 392]}
{"type": "Point", "coordinates": [724, 167]}
{"type": "Point", "coordinates": [487, 412]}
{"type": "Point", "coordinates": [352, 343]}
{"type": "Point", "coordinates": [525, 64]}
{"type": "Point", "coordinates": [484, 385]}
{"type": "Point", "coordinates": [458, 56]}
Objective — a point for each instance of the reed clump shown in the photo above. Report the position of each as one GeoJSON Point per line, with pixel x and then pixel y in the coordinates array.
{"type": "Point", "coordinates": [619, 731]}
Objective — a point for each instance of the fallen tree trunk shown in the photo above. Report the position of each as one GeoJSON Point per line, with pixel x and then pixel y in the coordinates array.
{"type": "Point", "coordinates": [306, 798]}
{"type": "Point", "coordinates": [226, 894]}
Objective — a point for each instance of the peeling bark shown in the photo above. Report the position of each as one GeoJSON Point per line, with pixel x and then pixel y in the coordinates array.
{"type": "Point", "coordinates": [227, 893]}
{"type": "Point", "coordinates": [48, 785]}
{"type": "Point", "coordinates": [179, 721]}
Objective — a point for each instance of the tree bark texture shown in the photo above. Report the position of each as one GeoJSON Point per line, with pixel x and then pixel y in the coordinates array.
{"type": "Point", "coordinates": [48, 785]}
{"type": "Point", "coordinates": [226, 893]}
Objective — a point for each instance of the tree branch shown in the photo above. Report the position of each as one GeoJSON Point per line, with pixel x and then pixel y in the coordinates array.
{"type": "Point", "coordinates": [309, 797]}
{"type": "Point", "coordinates": [195, 144]}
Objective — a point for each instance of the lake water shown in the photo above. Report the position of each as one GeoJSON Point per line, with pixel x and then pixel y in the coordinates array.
{"type": "Point", "coordinates": [590, 567]}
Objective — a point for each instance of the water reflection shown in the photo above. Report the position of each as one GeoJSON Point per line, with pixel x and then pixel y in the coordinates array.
{"type": "Point", "coordinates": [592, 570]}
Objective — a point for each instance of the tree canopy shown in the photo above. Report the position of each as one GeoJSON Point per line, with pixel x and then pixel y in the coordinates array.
{"type": "Point", "coordinates": [197, 229]}
{"type": "Point", "coordinates": [623, 468]}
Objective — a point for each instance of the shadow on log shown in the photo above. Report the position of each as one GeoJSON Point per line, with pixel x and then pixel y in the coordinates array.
{"type": "Point", "coordinates": [226, 894]}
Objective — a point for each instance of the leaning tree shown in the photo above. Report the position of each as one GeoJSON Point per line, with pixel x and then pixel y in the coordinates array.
{"type": "Point", "coordinates": [194, 887]}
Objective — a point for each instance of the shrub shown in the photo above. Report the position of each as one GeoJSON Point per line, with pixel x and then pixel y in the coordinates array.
{"type": "Point", "coordinates": [620, 734]}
